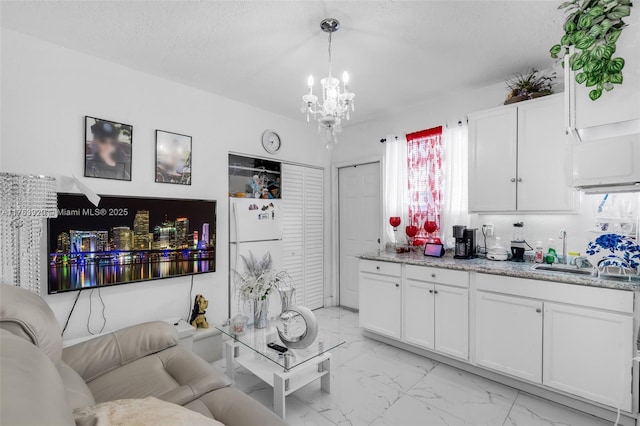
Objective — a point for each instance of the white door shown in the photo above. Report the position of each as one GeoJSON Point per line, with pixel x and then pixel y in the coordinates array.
{"type": "Point", "coordinates": [360, 223]}
{"type": "Point", "coordinates": [313, 238]}
{"type": "Point", "coordinates": [452, 321]}
{"type": "Point", "coordinates": [380, 304]}
{"type": "Point", "coordinates": [509, 335]}
{"type": "Point", "coordinates": [587, 353]}
{"type": "Point", "coordinates": [303, 229]}
{"type": "Point", "coordinates": [492, 160]}
{"type": "Point", "coordinates": [293, 226]}
{"type": "Point", "coordinates": [419, 313]}
{"type": "Point", "coordinates": [544, 152]}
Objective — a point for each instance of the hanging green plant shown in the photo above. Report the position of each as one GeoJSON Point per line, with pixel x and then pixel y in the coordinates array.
{"type": "Point", "coordinates": [593, 27]}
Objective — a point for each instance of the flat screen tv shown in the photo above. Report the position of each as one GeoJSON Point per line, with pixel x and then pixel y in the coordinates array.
{"type": "Point", "coordinates": [128, 239]}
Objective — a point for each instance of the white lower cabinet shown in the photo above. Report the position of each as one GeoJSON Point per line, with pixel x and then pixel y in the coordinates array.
{"type": "Point", "coordinates": [436, 316]}
{"type": "Point", "coordinates": [509, 335]}
{"type": "Point", "coordinates": [587, 353]}
{"type": "Point", "coordinates": [419, 314]}
{"type": "Point", "coordinates": [452, 321]}
{"type": "Point", "coordinates": [380, 301]}
{"type": "Point", "coordinates": [573, 339]}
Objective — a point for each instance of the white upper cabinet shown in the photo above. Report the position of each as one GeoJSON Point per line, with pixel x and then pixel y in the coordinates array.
{"type": "Point", "coordinates": [606, 132]}
{"type": "Point", "coordinates": [544, 153]}
{"type": "Point", "coordinates": [519, 158]}
{"type": "Point", "coordinates": [493, 153]}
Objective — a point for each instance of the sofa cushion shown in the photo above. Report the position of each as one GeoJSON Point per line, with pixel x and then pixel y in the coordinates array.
{"type": "Point", "coordinates": [98, 356]}
{"type": "Point", "coordinates": [174, 375]}
{"type": "Point", "coordinates": [31, 390]}
{"type": "Point", "coordinates": [234, 408]}
{"type": "Point", "coordinates": [78, 392]}
{"type": "Point", "coordinates": [140, 412]}
{"type": "Point", "coordinates": [27, 315]}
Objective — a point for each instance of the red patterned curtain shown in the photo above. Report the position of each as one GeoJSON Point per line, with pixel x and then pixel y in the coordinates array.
{"type": "Point", "coordinates": [424, 164]}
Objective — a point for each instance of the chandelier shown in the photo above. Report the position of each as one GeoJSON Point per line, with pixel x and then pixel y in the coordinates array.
{"type": "Point", "coordinates": [336, 101]}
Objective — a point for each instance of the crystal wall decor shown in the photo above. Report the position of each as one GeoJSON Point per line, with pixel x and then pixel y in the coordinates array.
{"type": "Point", "coordinates": [25, 202]}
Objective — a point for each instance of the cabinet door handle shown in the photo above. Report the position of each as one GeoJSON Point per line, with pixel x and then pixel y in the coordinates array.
{"type": "Point", "coordinates": [538, 310]}
{"type": "Point", "coordinates": [519, 179]}
{"type": "Point", "coordinates": [397, 285]}
{"type": "Point", "coordinates": [431, 291]}
{"type": "Point", "coordinates": [435, 291]}
{"type": "Point", "coordinates": [377, 268]}
{"type": "Point", "coordinates": [513, 179]}
{"type": "Point", "coordinates": [433, 275]}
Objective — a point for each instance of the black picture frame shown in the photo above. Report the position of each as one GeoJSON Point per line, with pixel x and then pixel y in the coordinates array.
{"type": "Point", "coordinates": [173, 158]}
{"type": "Point", "coordinates": [100, 134]}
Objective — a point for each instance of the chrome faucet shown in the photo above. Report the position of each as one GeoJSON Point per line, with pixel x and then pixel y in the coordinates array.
{"type": "Point", "coordinates": [563, 237]}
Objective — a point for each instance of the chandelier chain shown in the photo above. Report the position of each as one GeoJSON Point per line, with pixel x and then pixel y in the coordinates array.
{"type": "Point", "coordinates": [329, 49]}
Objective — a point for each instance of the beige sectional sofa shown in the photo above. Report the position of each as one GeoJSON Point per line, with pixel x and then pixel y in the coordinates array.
{"type": "Point", "coordinates": [42, 384]}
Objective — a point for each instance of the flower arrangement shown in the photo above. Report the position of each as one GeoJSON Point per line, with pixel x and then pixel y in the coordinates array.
{"type": "Point", "coordinates": [256, 283]}
{"type": "Point", "coordinates": [258, 278]}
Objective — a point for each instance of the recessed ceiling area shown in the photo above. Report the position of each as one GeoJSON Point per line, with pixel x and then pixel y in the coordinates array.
{"type": "Point", "coordinates": [398, 53]}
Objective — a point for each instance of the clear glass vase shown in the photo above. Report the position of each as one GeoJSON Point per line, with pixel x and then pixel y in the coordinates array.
{"type": "Point", "coordinates": [286, 297]}
{"type": "Point", "coordinates": [261, 313]}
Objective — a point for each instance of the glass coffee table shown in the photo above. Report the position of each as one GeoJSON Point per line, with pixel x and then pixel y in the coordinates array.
{"type": "Point", "coordinates": [285, 372]}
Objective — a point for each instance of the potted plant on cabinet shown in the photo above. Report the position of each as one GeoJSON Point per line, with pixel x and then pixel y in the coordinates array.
{"type": "Point", "coordinates": [533, 84]}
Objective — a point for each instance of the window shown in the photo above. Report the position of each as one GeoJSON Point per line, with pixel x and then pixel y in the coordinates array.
{"type": "Point", "coordinates": [424, 169]}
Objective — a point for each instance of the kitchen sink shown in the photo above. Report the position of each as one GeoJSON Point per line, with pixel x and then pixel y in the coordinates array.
{"type": "Point", "coordinates": [564, 269]}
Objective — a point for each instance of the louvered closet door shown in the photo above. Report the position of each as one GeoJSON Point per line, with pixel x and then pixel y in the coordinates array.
{"type": "Point", "coordinates": [302, 195]}
{"type": "Point", "coordinates": [293, 226]}
{"type": "Point", "coordinates": [313, 239]}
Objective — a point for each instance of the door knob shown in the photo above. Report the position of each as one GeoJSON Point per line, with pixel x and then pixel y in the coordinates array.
{"type": "Point", "coordinates": [377, 268]}
{"type": "Point", "coordinates": [513, 179]}
{"type": "Point", "coordinates": [433, 275]}
{"type": "Point", "coordinates": [538, 310]}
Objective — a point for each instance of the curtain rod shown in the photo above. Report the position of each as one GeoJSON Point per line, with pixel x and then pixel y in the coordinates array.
{"type": "Point", "coordinates": [383, 140]}
{"type": "Point", "coordinates": [460, 122]}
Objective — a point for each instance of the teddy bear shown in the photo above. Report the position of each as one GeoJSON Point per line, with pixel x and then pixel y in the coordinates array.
{"type": "Point", "coordinates": [198, 320]}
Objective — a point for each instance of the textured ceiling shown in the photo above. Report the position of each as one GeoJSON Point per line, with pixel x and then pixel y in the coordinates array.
{"type": "Point", "coordinates": [398, 53]}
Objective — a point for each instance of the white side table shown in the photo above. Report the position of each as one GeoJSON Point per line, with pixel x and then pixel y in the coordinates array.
{"type": "Point", "coordinates": [284, 381]}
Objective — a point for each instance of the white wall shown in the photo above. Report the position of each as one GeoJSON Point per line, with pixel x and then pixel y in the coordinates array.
{"type": "Point", "coordinates": [46, 92]}
{"type": "Point", "coordinates": [362, 141]}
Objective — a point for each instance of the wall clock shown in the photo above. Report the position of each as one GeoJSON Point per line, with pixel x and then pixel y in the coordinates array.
{"type": "Point", "coordinates": [271, 141]}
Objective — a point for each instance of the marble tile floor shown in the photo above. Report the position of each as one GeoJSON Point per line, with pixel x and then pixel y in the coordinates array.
{"type": "Point", "coordinates": [379, 385]}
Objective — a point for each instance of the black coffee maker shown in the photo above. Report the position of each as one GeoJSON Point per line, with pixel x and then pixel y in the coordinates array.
{"type": "Point", "coordinates": [465, 247]}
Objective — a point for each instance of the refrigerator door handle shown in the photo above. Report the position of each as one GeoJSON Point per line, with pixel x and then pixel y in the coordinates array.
{"type": "Point", "coordinates": [234, 208]}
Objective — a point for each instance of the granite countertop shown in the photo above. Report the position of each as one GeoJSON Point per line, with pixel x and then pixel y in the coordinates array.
{"type": "Point", "coordinates": [506, 268]}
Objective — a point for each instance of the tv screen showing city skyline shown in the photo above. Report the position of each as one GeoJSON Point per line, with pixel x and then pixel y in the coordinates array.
{"type": "Point", "coordinates": [128, 239]}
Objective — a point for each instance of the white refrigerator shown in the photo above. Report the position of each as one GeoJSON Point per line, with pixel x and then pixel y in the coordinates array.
{"type": "Point", "coordinates": [255, 226]}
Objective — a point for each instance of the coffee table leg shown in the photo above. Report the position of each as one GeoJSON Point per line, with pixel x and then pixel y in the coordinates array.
{"type": "Point", "coordinates": [229, 353]}
{"type": "Point", "coordinates": [325, 381]}
{"type": "Point", "coordinates": [278, 395]}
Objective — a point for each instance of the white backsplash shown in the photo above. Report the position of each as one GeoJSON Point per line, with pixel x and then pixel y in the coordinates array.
{"type": "Point", "coordinates": [541, 227]}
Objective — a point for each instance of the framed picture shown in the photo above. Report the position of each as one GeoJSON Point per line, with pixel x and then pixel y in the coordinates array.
{"type": "Point", "coordinates": [173, 158]}
{"type": "Point", "coordinates": [107, 149]}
